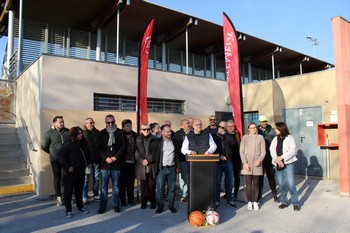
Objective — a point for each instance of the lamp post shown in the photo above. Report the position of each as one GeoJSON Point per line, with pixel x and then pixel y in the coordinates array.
{"type": "Point", "coordinates": [314, 43]}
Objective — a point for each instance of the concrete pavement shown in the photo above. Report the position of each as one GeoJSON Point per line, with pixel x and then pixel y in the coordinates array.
{"type": "Point", "coordinates": [322, 210]}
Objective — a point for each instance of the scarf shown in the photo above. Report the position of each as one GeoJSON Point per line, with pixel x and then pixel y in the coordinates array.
{"type": "Point", "coordinates": [111, 139]}
{"type": "Point", "coordinates": [279, 147]}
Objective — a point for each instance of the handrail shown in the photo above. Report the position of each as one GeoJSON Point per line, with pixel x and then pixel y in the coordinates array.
{"type": "Point", "coordinates": [29, 138]}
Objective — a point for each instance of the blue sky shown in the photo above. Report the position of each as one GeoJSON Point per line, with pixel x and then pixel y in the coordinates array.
{"type": "Point", "coordinates": [286, 23]}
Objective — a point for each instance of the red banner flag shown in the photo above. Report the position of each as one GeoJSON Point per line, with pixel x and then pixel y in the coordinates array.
{"type": "Point", "coordinates": [141, 97]}
{"type": "Point", "coordinates": [232, 66]}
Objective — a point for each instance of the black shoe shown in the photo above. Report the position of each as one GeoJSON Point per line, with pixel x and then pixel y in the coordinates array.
{"type": "Point", "coordinates": [83, 211]}
{"type": "Point", "coordinates": [153, 206]}
{"type": "Point", "coordinates": [296, 208]}
{"type": "Point", "coordinates": [260, 200]}
{"type": "Point", "coordinates": [275, 198]}
{"type": "Point", "coordinates": [123, 203]}
{"type": "Point", "coordinates": [143, 206]}
{"type": "Point", "coordinates": [159, 210]}
{"type": "Point", "coordinates": [232, 204]}
{"type": "Point", "coordinates": [101, 210]}
{"type": "Point", "coordinates": [282, 206]}
{"type": "Point", "coordinates": [131, 203]}
{"type": "Point", "coordinates": [116, 209]}
{"type": "Point", "coordinates": [173, 210]}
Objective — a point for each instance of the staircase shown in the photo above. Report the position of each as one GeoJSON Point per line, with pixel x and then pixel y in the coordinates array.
{"type": "Point", "coordinates": [14, 174]}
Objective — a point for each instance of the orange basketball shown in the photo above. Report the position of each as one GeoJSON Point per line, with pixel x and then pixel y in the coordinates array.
{"type": "Point", "coordinates": [196, 218]}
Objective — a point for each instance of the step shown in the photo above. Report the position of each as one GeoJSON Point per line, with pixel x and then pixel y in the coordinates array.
{"type": "Point", "coordinates": [9, 153]}
{"type": "Point", "coordinates": [15, 181]}
{"type": "Point", "coordinates": [7, 130]}
{"type": "Point", "coordinates": [11, 143]}
{"type": "Point", "coordinates": [12, 189]}
{"type": "Point", "coordinates": [10, 149]}
{"type": "Point", "coordinates": [12, 136]}
{"type": "Point", "coordinates": [11, 159]}
{"type": "Point", "coordinates": [6, 126]}
{"type": "Point", "coordinates": [13, 173]}
{"type": "Point", "coordinates": [9, 166]}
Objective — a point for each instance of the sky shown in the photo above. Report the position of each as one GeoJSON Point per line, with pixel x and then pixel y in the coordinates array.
{"type": "Point", "coordinates": [286, 23]}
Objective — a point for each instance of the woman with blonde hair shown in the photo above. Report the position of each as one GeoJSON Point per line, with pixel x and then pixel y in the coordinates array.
{"type": "Point", "coordinates": [252, 151]}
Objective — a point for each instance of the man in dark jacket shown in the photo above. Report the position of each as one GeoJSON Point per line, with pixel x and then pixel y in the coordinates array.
{"type": "Point", "coordinates": [268, 133]}
{"type": "Point", "coordinates": [91, 136]}
{"type": "Point", "coordinates": [180, 137]}
{"type": "Point", "coordinates": [112, 145]}
{"type": "Point", "coordinates": [127, 173]}
{"type": "Point", "coordinates": [145, 170]}
{"type": "Point", "coordinates": [165, 152]}
{"type": "Point", "coordinates": [224, 165]}
{"type": "Point", "coordinates": [52, 142]}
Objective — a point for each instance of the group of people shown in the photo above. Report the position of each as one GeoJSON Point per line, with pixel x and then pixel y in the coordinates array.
{"type": "Point", "coordinates": [156, 154]}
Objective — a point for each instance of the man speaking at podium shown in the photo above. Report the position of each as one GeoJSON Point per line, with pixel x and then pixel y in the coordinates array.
{"type": "Point", "coordinates": [198, 141]}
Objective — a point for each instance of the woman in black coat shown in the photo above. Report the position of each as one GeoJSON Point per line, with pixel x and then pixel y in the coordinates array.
{"type": "Point", "coordinates": [74, 158]}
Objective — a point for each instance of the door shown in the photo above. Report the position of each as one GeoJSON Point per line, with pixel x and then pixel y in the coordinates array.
{"type": "Point", "coordinates": [302, 124]}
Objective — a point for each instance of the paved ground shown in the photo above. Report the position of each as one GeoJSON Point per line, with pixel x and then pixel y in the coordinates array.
{"type": "Point", "coordinates": [322, 210]}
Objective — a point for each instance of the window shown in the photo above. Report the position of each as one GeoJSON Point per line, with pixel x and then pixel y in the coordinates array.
{"type": "Point", "coordinates": [103, 102]}
{"type": "Point", "coordinates": [250, 117]}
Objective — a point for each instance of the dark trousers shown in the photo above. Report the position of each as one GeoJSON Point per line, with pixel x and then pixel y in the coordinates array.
{"type": "Point", "coordinates": [237, 177]}
{"type": "Point", "coordinates": [127, 182]}
{"type": "Point", "coordinates": [73, 182]}
{"type": "Point", "coordinates": [270, 173]}
{"type": "Point", "coordinates": [57, 177]}
{"type": "Point", "coordinates": [148, 190]}
{"type": "Point", "coordinates": [252, 187]}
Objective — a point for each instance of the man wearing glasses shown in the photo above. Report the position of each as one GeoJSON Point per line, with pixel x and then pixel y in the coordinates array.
{"type": "Point", "coordinates": [112, 145]}
{"type": "Point", "coordinates": [145, 171]}
{"type": "Point", "coordinates": [213, 128]}
{"type": "Point", "coordinates": [91, 136]}
{"type": "Point", "coordinates": [198, 141]}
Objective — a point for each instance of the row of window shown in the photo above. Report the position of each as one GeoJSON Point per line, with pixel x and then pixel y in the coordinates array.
{"type": "Point", "coordinates": [105, 102]}
{"type": "Point", "coordinates": [39, 38]}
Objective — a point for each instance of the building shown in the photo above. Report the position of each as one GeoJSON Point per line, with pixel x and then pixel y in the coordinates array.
{"type": "Point", "coordinates": [81, 61]}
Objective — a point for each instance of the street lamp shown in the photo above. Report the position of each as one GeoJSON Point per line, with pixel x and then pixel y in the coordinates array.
{"type": "Point", "coordinates": [314, 43]}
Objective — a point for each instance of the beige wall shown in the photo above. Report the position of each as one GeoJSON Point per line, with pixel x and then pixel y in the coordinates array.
{"type": "Point", "coordinates": [309, 90]}
{"type": "Point", "coordinates": [64, 86]}
{"type": "Point", "coordinates": [28, 117]}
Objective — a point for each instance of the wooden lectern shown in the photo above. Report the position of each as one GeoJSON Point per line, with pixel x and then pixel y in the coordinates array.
{"type": "Point", "coordinates": [201, 181]}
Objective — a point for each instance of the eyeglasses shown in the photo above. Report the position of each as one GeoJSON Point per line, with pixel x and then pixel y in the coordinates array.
{"type": "Point", "coordinates": [91, 123]}
{"type": "Point", "coordinates": [145, 129]}
{"type": "Point", "coordinates": [213, 119]}
{"type": "Point", "coordinates": [252, 128]}
{"type": "Point", "coordinates": [110, 122]}
{"type": "Point", "coordinates": [221, 127]}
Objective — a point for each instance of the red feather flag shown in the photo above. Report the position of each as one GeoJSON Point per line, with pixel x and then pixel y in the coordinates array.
{"type": "Point", "coordinates": [141, 97]}
{"type": "Point", "coordinates": [232, 65]}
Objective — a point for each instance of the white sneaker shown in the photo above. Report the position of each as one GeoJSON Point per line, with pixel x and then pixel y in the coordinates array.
{"type": "Point", "coordinates": [84, 200]}
{"type": "Point", "coordinates": [59, 201]}
{"type": "Point", "coordinates": [256, 206]}
{"type": "Point", "coordinates": [249, 206]}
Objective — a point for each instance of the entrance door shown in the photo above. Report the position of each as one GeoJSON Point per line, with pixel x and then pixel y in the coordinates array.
{"type": "Point", "coordinates": [302, 124]}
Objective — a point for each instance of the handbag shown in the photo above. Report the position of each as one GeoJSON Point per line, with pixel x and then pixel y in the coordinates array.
{"type": "Point", "coordinates": [87, 167]}
{"type": "Point", "coordinates": [281, 168]}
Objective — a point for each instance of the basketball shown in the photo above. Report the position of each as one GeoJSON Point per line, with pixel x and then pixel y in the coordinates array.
{"type": "Point", "coordinates": [196, 218]}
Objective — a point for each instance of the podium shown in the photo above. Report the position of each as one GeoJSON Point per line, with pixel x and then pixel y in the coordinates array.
{"type": "Point", "coordinates": [201, 181]}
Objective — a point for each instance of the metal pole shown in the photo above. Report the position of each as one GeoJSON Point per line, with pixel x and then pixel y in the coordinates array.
{"type": "Point", "coordinates": [273, 66]}
{"type": "Point", "coordinates": [117, 52]}
{"type": "Point", "coordinates": [20, 39]}
{"type": "Point", "coordinates": [98, 46]}
{"type": "Point", "coordinates": [186, 50]}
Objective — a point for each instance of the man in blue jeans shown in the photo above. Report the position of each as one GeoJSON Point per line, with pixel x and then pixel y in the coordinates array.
{"type": "Point", "coordinates": [91, 136]}
{"type": "Point", "coordinates": [224, 165]}
{"type": "Point", "coordinates": [112, 145]}
{"type": "Point", "coordinates": [165, 152]}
